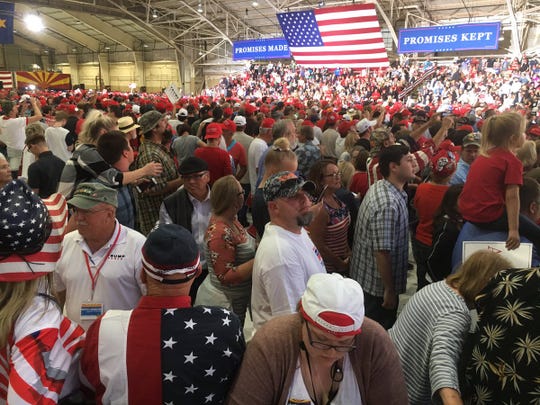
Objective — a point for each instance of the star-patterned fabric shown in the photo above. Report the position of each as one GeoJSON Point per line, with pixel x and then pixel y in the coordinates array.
{"type": "Point", "coordinates": [22, 216]}
{"type": "Point", "coordinates": [502, 363]}
{"type": "Point", "coordinates": [174, 354]}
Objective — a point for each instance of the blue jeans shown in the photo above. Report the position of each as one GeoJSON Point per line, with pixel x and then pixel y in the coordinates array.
{"type": "Point", "coordinates": [527, 228]}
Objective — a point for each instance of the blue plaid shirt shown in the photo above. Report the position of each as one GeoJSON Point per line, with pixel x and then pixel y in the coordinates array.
{"type": "Point", "coordinates": [381, 226]}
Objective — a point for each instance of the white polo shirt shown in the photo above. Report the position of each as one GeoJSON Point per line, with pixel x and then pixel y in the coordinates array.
{"type": "Point", "coordinates": [118, 285]}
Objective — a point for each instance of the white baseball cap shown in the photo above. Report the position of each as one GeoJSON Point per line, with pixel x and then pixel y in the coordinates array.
{"type": "Point", "coordinates": [333, 304]}
{"type": "Point", "coordinates": [364, 124]}
{"type": "Point", "coordinates": [240, 120]}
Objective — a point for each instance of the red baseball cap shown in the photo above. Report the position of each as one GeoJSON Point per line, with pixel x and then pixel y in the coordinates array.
{"type": "Point", "coordinates": [268, 123]}
{"type": "Point", "coordinates": [332, 117]}
{"type": "Point", "coordinates": [213, 130]}
{"type": "Point", "coordinates": [228, 125]}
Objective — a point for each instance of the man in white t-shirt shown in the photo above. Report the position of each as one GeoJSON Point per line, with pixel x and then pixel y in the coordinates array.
{"type": "Point", "coordinates": [101, 261]}
{"type": "Point", "coordinates": [56, 137]}
{"type": "Point", "coordinates": [286, 256]}
{"type": "Point", "coordinates": [257, 149]}
{"type": "Point", "coordinates": [12, 131]}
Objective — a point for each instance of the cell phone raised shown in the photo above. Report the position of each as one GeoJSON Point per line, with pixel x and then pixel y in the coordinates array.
{"type": "Point", "coordinates": [146, 184]}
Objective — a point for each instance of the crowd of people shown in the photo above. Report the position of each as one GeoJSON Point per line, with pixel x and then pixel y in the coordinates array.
{"type": "Point", "coordinates": [139, 237]}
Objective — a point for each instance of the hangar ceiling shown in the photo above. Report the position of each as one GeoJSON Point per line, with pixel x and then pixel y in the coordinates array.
{"type": "Point", "coordinates": [203, 30]}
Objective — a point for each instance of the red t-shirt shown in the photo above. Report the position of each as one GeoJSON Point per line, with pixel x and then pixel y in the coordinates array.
{"type": "Point", "coordinates": [359, 184]}
{"type": "Point", "coordinates": [483, 196]}
{"type": "Point", "coordinates": [219, 162]}
{"type": "Point", "coordinates": [427, 200]}
{"type": "Point", "coordinates": [238, 153]}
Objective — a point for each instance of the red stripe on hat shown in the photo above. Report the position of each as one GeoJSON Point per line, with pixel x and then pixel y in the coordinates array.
{"type": "Point", "coordinates": [325, 329]}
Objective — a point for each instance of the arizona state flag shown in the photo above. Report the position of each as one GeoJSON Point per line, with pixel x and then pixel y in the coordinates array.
{"type": "Point", "coordinates": [6, 22]}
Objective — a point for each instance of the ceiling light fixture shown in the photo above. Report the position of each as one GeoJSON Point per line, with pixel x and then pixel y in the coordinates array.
{"type": "Point", "coordinates": [254, 4]}
{"type": "Point", "coordinates": [34, 22]}
{"type": "Point", "coordinates": [199, 8]}
{"type": "Point", "coordinates": [154, 14]}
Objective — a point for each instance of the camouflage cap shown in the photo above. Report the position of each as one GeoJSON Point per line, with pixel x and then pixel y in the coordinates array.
{"type": "Point", "coordinates": [285, 185]}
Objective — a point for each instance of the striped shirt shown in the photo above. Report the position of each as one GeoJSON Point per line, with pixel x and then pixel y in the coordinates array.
{"type": "Point", "coordinates": [13, 268]}
{"type": "Point", "coordinates": [86, 164]}
{"type": "Point", "coordinates": [40, 362]}
{"type": "Point", "coordinates": [337, 230]}
{"type": "Point", "coordinates": [429, 336]}
{"type": "Point", "coordinates": [381, 226]}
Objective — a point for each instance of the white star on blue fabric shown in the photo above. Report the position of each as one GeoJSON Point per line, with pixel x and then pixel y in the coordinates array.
{"type": "Point", "coordinates": [210, 371]}
{"type": "Point", "coordinates": [190, 358]}
{"type": "Point", "coordinates": [169, 343]}
{"type": "Point", "coordinates": [207, 310]}
{"type": "Point", "coordinates": [226, 321]}
{"type": "Point", "coordinates": [210, 339]}
{"type": "Point", "coordinates": [170, 311]}
{"type": "Point", "coordinates": [227, 352]}
{"type": "Point", "coordinates": [191, 389]}
{"type": "Point", "coordinates": [208, 398]}
{"type": "Point", "coordinates": [190, 324]}
{"type": "Point", "coordinates": [169, 376]}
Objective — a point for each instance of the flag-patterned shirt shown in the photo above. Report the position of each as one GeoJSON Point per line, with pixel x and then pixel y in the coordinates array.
{"type": "Point", "coordinates": [40, 362]}
{"type": "Point", "coordinates": [163, 352]}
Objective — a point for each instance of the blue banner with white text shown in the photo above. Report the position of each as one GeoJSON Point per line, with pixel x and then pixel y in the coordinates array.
{"type": "Point", "coordinates": [269, 48]}
{"type": "Point", "coordinates": [447, 38]}
{"type": "Point", "coordinates": [6, 22]}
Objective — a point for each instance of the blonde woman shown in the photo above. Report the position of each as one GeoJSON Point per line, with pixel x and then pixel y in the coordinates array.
{"type": "Point", "coordinates": [39, 347]}
{"type": "Point", "coordinates": [86, 164]}
{"type": "Point", "coordinates": [350, 142]}
{"type": "Point", "coordinates": [527, 155]}
{"type": "Point", "coordinates": [279, 158]}
{"type": "Point", "coordinates": [230, 250]}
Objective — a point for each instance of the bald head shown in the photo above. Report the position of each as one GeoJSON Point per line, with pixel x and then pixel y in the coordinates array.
{"type": "Point", "coordinates": [5, 172]}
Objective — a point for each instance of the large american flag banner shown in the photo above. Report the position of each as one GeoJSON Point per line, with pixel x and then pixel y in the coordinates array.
{"type": "Point", "coordinates": [347, 36]}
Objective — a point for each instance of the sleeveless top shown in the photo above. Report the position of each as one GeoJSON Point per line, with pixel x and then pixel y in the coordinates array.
{"type": "Point", "coordinates": [336, 231]}
{"type": "Point", "coordinates": [348, 392]}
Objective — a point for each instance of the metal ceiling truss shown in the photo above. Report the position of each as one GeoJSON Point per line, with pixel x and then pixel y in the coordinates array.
{"type": "Point", "coordinates": [197, 36]}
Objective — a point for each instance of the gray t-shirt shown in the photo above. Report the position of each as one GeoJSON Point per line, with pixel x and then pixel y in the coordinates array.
{"type": "Point", "coordinates": [184, 146]}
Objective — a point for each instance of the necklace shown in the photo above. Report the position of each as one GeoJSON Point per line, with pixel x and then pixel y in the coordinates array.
{"type": "Point", "coordinates": [336, 375]}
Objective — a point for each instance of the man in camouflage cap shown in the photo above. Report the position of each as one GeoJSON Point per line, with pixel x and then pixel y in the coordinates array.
{"type": "Point", "coordinates": [286, 256]}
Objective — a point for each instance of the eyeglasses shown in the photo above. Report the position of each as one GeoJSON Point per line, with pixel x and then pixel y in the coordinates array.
{"type": "Point", "coordinates": [334, 175]}
{"type": "Point", "coordinates": [196, 176]}
{"type": "Point", "coordinates": [325, 346]}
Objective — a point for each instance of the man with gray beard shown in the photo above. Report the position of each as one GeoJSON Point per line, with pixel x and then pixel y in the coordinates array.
{"type": "Point", "coordinates": [286, 257]}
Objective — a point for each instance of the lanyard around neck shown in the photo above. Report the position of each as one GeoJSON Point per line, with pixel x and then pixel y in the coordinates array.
{"type": "Point", "coordinates": [94, 277]}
